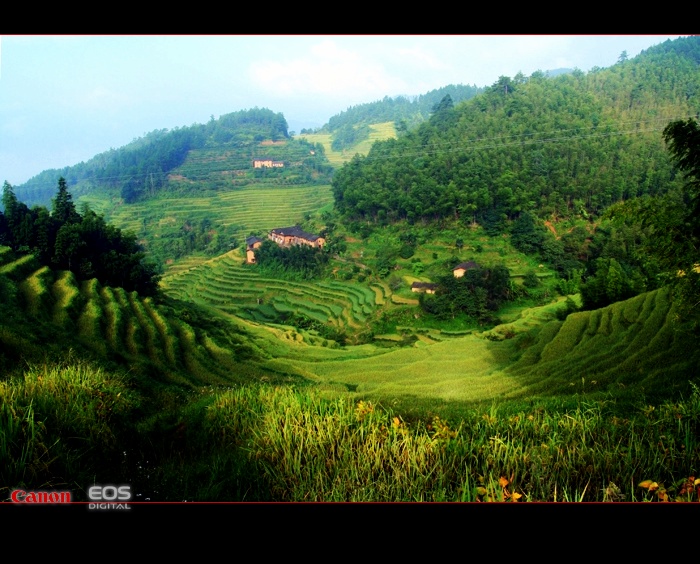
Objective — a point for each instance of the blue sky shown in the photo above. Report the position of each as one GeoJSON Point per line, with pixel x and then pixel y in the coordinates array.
{"type": "Point", "coordinates": [64, 99]}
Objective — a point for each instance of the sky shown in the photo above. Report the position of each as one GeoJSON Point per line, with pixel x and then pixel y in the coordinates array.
{"type": "Point", "coordinates": [65, 99]}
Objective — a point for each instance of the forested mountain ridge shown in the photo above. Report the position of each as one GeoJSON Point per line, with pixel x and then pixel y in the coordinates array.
{"type": "Point", "coordinates": [352, 125]}
{"type": "Point", "coordinates": [563, 146]}
{"type": "Point", "coordinates": [216, 155]}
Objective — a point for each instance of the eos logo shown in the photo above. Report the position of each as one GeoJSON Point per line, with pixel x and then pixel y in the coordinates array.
{"type": "Point", "coordinates": [111, 494]}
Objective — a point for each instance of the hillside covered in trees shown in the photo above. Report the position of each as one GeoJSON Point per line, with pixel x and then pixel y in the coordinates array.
{"type": "Point", "coordinates": [533, 154]}
{"type": "Point", "coordinates": [570, 145]}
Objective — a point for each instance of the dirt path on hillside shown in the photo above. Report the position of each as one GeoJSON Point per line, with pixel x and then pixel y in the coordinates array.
{"type": "Point", "coordinates": [364, 266]}
{"type": "Point", "coordinates": [549, 226]}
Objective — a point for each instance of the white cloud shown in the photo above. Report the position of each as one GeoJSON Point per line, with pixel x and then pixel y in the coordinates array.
{"type": "Point", "coordinates": [327, 70]}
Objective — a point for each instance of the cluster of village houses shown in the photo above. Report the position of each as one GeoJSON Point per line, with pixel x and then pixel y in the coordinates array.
{"type": "Point", "coordinates": [284, 237]}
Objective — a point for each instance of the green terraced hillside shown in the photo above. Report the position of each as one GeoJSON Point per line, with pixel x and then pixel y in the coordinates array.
{"type": "Point", "coordinates": [122, 326]}
{"type": "Point", "coordinates": [249, 208]}
{"type": "Point", "coordinates": [636, 343]}
{"type": "Point", "coordinates": [229, 285]}
{"type": "Point", "coordinates": [235, 213]}
{"type": "Point", "coordinates": [379, 132]}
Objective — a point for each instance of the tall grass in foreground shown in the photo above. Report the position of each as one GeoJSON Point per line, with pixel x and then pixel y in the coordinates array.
{"type": "Point", "coordinates": [70, 425]}
{"type": "Point", "coordinates": [57, 421]}
{"type": "Point", "coordinates": [309, 448]}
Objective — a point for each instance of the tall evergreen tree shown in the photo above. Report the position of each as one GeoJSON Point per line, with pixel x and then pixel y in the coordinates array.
{"type": "Point", "coordinates": [8, 196]}
{"type": "Point", "coordinates": [44, 234]}
{"type": "Point", "coordinates": [18, 218]}
{"type": "Point", "coordinates": [63, 207]}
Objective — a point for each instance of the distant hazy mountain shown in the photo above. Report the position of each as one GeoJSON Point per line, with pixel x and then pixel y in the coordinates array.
{"type": "Point", "coordinates": [217, 154]}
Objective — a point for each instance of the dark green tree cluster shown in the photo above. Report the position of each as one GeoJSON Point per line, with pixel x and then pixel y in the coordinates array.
{"type": "Point", "coordinates": [568, 252]}
{"type": "Point", "coordinates": [84, 244]}
{"type": "Point", "coordinates": [614, 264]}
{"type": "Point", "coordinates": [349, 135]}
{"type": "Point", "coordinates": [442, 112]}
{"type": "Point", "coordinates": [325, 330]}
{"type": "Point", "coordinates": [679, 248]}
{"type": "Point", "coordinates": [245, 126]}
{"type": "Point", "coordinates": [477, 294]}
{"type": "Point", "coordinates": [673, 220]}
{"type": "Point", "coordinates": [609, 282]}
{"type": "Point", "coordinates": [297, 262]}
{"type": "Point", "coordinates": [143, 170]}
{"type": "Point", "coordinates": [192, 236]}
{"type": "Point", "coordinates": [606, 264]}
{"type": "Point", "coordinates": [652, 241]}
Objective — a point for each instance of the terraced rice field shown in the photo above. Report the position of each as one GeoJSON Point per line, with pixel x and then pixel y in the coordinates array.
{"type": "Point", "coordinates": [634, 342]}
{"type": "Point", "coordinates": [379, 132]}
{"type": "Point", "coordinates": [230, 285]}
{"type": "Point", "coordinates": [627, 343]}
{"type": "Point", "coordinates": [462, 369]}
{"type": "Point", "coordinates": [243, 209]}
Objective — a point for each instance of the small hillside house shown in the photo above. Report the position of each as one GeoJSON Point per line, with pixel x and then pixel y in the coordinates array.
{"type": "Point", "coordinates": [427, 287]}
{"type": "Point", "coordinates": [461, 268]}
{"type": "Point", "coordinates": [267, 163]}
{"type": "Point", "coordinates": [251, 243]}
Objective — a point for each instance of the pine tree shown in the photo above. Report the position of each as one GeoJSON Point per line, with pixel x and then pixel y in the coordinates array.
{"type": "Point", "coordinates": [18, 220]}
{"type": "Point", "coordinates": [63, 206]}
